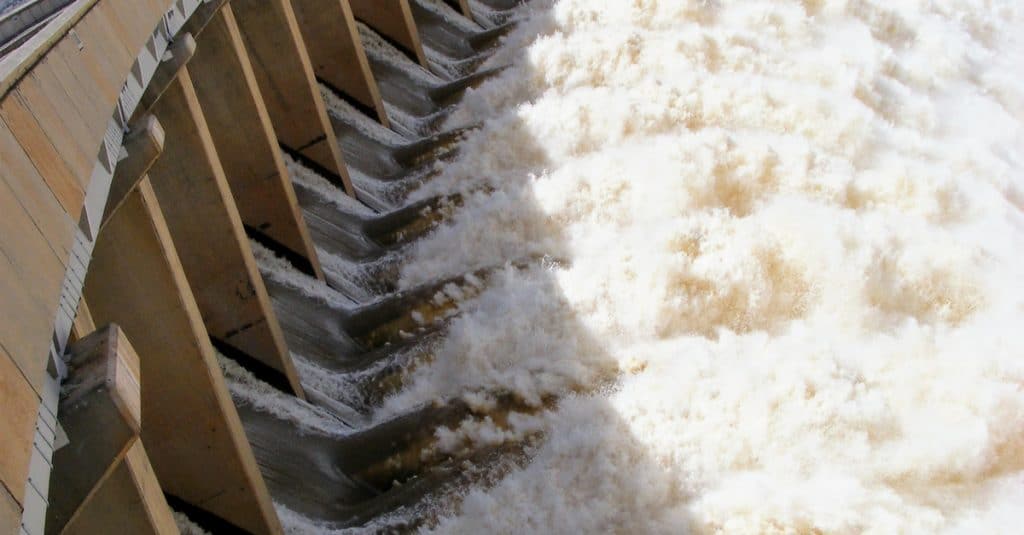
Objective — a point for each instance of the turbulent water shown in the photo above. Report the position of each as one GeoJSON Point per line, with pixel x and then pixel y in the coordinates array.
{"type": "Point", "coordinates": [8, 5]}
{"type": "Point", "coordinates": [794, 281]}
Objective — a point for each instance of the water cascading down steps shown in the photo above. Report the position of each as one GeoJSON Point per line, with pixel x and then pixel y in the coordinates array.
{"type": "Point", "coordinates": [474, 266]}
{"type": "Point", "coordinates": [329, 336]}
{"type": "Point", "coordinates": [245, 248]}
{"type": "Point", "coordinates": [352, 335]}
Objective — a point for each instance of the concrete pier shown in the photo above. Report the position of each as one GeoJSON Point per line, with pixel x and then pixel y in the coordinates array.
{"type": "Point", "coordinates": [145, 146]}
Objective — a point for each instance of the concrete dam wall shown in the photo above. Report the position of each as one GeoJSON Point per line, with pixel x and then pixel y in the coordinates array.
{"type": "Point", "coordinates": [506, 266]}
{"type": "Point", "coordinates": [207, 201]}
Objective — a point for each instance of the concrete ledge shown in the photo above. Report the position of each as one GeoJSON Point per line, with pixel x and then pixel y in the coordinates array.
{"type": "Point", "coordinates": [16, 64]}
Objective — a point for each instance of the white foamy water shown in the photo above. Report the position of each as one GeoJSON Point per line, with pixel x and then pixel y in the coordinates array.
{"type": "Point", "coordinates": [381, 50]}
{"type": "Point", "coordinates": [186, 526]}
{"type": "Point", "coordinates": [283, 272]}
{"type": "Point", "coordinates": [298, 524]}
{"type": "Point", "coordinates": [412, 126]}
{"type": "Point", "coordinates": [363, 123]}
{"type": "Point", "coordinates": [350, 274]}
{"type": "Point", "coordinates": [382, 194]}
{"type": "Point", "coordinates": [487, 16]}
{"type": "Point", "coordinates": [312, 180]}
{"type": "Point", "coordinates": [246, 389]}
{"type": "Point", "coordinates": [796, 280]}
{"type": "Point", "coordinates": [404, 123]}
{"type": "Point", "coordinates": [449, 15]}
{"type": "Point", "coordinates": [443, 64]}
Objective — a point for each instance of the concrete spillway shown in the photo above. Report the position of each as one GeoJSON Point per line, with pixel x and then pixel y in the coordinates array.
{"type": "Point", "coordinates": [252, 210]}
{"type": "Point", "coordinates": [473, 266]}
{"type": "Point", "coordinates": [363, 340]}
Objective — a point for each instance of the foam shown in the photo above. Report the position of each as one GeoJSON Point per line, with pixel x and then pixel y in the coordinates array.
{"type": "Point", "coordinates": [488, 16]}
{"type": "Point", "coordinates": [9, 5]}
{"type": "Point", "coordinates": [281, 271]}
{"type": "Point", "coordinates": [381, 192]}
{"type": "Point", "coordinates": [449, 15]}
{"type": "Point", "coordinates": [328, 191]}
{"type": "Point", "coordinates": [413, 126]}
{"type": "Point", "coordinates": [297, 524]}
{"type": "Point", "coordinates": [352, 275]}
{"type": "Point", "coordinates": [365, 124]}
{"type": "Point", "coordinates": [444, 64]}
{"type": "Point", "coordinates": [246, 388]}
{"type": "Point", "coordinates": [794, 231]}
{"type": "Point", "coordinates": [186, 526]}
{"type": "Point", "coordinates": [385, 52]}
{"type": "Point", "coordinates": [339, 387]}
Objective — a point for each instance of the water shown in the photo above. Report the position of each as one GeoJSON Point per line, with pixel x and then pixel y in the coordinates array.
{"type": "Point", "coordinates": [454, 18]}
{"type": "Point", "coordinates": [358, 120]}
{"type": "Point", "coordinates": [281, 271]}
{"type": "Point", "coordinates": [247, 390]}
{"type": "Point", "coordinates": [488, 15]}
{"type": "Point", "coordinates": [8, 5]}
{"type": "Point", "coordinates": [795, 280]}
{"type": "Point", "coordinates": [442, 63]}
{"type": "Point", "coordinates": [356, 277]}
{"type": "Point", "coordinates": [310, 179]}
{"type": "Point", "coordinates": [381, 50]}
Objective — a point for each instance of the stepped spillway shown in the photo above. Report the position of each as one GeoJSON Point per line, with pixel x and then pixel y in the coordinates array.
{"type": "Point", "coordinates": [504, 266]}
{"type": "Point", "coordinates": [789, 262]}
{"type": "Point", "coordinates": [793, 233]}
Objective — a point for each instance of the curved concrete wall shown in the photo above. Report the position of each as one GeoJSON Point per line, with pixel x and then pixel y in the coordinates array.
{"type": "Point", "coordinates": [69, 96]}
{"type": "Point", "coordinates": [236, 87]}
{"type": "Point", "coordinates": [64, 96]}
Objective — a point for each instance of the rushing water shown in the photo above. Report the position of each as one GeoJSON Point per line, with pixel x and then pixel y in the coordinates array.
{"type": "Point", "coordinates": [741, 267]}
{"type": "Point", "coordinates": [8, 5]}
{"type": "Point", "coordinates": [795, 280]}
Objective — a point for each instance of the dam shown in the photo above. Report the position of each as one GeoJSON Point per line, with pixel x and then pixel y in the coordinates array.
{"type": "Point", "coordinates": [511, 266]}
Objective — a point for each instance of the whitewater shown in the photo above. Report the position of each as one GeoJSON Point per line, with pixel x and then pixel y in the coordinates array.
{"type": "Point", "coordinates": [780, 280]}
